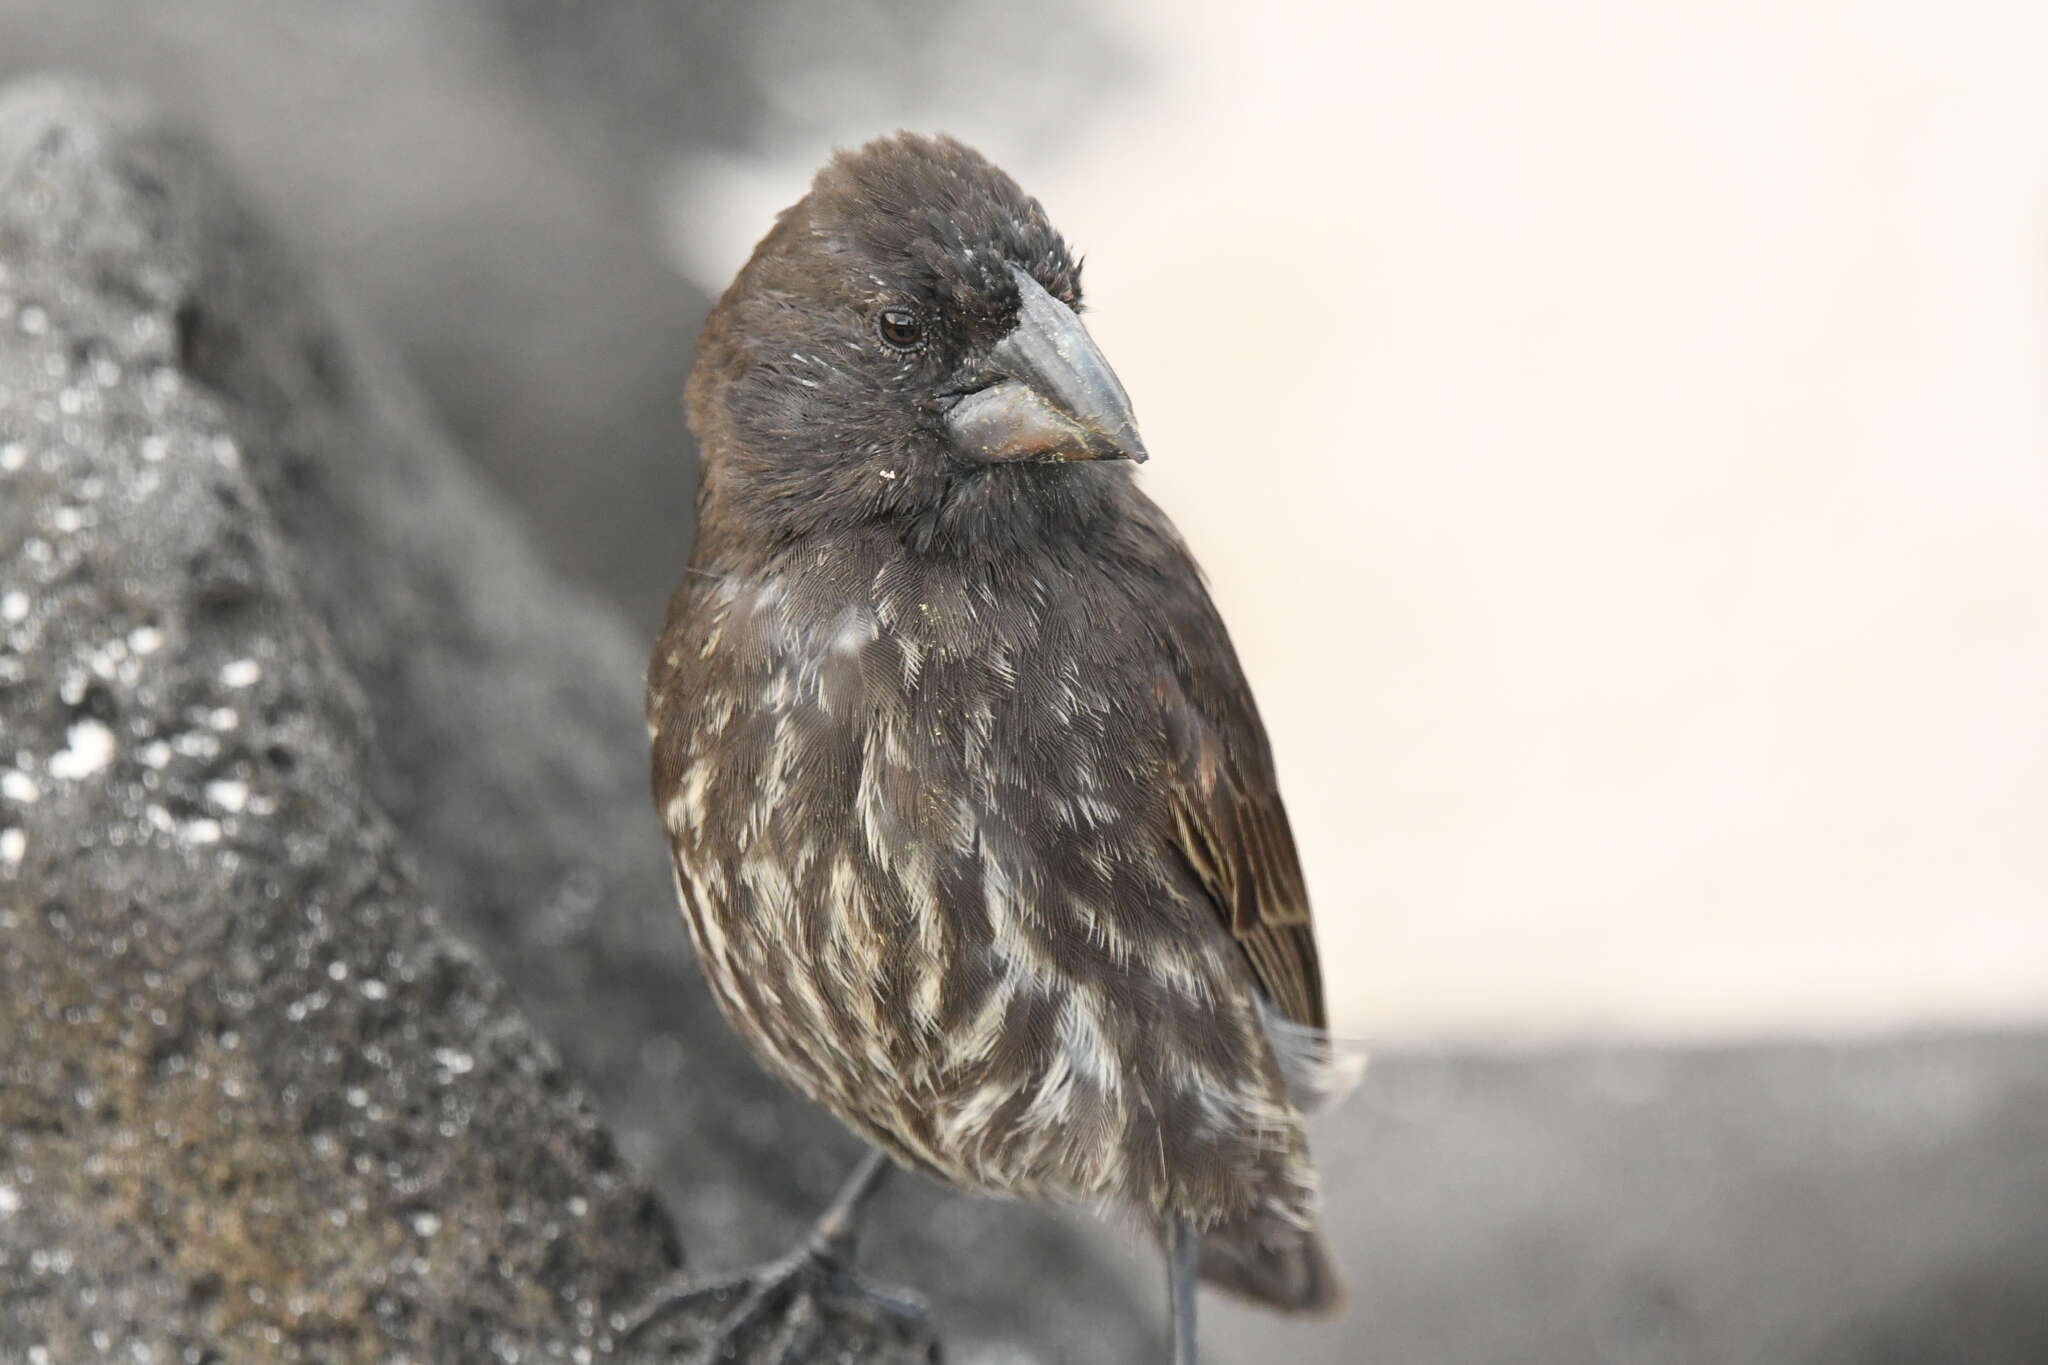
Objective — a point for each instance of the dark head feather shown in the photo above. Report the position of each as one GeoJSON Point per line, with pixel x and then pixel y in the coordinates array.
{"type": "Point", "coordinates": [938, 215]}
{"type": "Point", "coordinates": [809, 423]}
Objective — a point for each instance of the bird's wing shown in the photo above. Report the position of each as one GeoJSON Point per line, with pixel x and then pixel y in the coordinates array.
{"type": "Point", "coordinates": [1228, 820]}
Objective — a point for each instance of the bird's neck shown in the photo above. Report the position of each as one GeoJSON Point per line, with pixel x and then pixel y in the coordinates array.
{"type": "Point", "coordinates": [976, 520]}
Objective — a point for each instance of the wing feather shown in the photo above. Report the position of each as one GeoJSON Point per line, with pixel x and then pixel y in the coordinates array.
{"type": "Point", "coordinates": [1228, 819]}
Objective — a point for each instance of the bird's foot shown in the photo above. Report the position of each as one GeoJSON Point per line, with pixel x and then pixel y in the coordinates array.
{"type": "Point", "coordinates": [782, 1313]}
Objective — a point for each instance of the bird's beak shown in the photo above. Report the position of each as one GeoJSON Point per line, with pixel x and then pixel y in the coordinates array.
{"type": "Point", "coordinates": [1054, 397]}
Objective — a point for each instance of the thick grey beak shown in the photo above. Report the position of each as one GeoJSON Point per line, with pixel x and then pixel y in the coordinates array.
{"type": "Point", "coordinates": [1054, 398]}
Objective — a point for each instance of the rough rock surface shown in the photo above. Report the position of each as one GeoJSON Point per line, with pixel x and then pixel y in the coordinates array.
{"type": "Point", "coordinates": [309, 675]}
{"type": "Point", "coordinates": [254, 1104]}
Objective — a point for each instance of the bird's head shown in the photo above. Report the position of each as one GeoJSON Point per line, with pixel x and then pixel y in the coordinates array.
{"type": "Point", "coordinates": [904, 344]}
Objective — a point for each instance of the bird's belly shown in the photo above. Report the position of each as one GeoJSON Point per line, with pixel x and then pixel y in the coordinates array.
{"type": "Point", "coordinates": [956, 1034]}
{"type": "Point", "coordinates": [928, 884]}
{"type": "Point", "coordinates": [863, 1003]}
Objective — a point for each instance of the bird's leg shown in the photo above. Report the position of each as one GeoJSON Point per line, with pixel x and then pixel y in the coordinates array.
{"type": "Point", "coordinates": [1180, 1287]}
{"type": "Point", "coordinates": [778, 1309]}
{"type": "Point", "coordinates": [836, 1234]}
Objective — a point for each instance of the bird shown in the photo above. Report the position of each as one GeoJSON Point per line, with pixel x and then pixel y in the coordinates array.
{"type": "Point", "coordinates": [973, 818]}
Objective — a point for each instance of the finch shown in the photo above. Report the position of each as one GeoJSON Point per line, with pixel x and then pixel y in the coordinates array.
{"type": "Point", "coordinates": [973, 817]}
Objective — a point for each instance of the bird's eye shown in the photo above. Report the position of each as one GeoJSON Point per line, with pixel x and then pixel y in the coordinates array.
{"type": "Point", "coordinates": [899, 328]}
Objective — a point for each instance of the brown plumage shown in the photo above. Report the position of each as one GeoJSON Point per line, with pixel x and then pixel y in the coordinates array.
{"type": "Point", "coordinates": [974, 820]}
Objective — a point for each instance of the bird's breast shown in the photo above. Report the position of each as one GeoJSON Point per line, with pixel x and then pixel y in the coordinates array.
{"type": "Point", "coordinates": [897, 806]}
{"type": "Point", "coordinates": [919, 843]}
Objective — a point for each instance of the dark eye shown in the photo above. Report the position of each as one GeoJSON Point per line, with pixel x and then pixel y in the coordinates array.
{"type": "Point", "coordinates": [900, 328]}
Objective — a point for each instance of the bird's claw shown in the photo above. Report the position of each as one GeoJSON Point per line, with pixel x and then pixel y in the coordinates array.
{"type": "Point", "coordinates": [776, 1314]}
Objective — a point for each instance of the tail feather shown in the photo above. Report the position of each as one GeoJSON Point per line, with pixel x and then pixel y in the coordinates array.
{"type": "Point", "coordinates": [1321, 1069]}
{"type": "Point", "coordinates": [1269, 1258]}
{"type": "Point", "coordinates": [1290, 1274]}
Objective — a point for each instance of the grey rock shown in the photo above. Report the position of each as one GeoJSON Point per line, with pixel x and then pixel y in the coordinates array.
{"type": "Point", "coordinates": [254, 1103]}
{"type": "Point", "coordinates": [337, 685]}
{"type": "Point", "coordinates": [1868, 1202]}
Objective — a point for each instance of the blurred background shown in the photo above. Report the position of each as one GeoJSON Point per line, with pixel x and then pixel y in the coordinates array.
{"type": "Point", "coordinates": [1617, 435]}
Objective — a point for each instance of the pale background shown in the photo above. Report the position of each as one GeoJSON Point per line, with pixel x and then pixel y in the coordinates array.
{"type": "Point", "coordinates": [1617, 435]}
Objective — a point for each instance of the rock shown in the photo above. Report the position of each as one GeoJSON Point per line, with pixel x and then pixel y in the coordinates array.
{"type": "Point", "coordinates": [1868, 1202]}
{"type": "Point", "coordinates": [256, 1104]}
{"type": "Point", "coordinates": [280, 672]}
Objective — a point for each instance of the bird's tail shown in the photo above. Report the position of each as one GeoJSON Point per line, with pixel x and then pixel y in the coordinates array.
{"type": "Point", "coordinates": [1289, 1271]}
{"type": "Point", "coordinates": [1270, 1258]}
